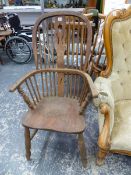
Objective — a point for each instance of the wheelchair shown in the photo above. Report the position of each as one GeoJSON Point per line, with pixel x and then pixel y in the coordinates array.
{"type": "Point", "coordinates": [18, 44]}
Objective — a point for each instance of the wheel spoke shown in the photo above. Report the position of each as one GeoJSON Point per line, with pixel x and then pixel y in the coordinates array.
{"type": "Point", "coordinates": [18, 50]}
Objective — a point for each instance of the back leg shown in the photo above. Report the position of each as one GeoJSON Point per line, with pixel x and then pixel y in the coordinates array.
{"type": "Point", "coordinates": [82, 148]}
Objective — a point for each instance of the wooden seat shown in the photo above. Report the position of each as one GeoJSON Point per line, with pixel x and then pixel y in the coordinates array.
{"type": "Point", "coordinates": [57, 114]}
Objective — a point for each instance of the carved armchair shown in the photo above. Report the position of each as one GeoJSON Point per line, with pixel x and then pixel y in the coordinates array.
{"type": "Point", "coordinates": [63, 40]}
{"type": "Point", "coordinates": [55, 104]}
{"type": "Point", "coordinates": [114, 99]}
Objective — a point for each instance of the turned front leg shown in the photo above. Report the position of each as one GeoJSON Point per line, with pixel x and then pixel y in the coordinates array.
{"type": "Point", "coordinates": [104, 137]}
{"type": "Point", "coordinates": [27, 143]}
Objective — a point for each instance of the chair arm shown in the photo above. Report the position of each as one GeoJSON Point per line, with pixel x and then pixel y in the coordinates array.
{"type": "Point", "coordinates": [104, 136]}
{"type": "Point", "coordinates": [101, 16]}
{"type": "Point", "coordinates": [89, 15]}
{"type": "Point", "coordinates": [73, 71]}
{"type": "Point", "coordinates": [20, 81]}
{"type": "Point", "coordinates": [29, 89]}
{"type": "Point", "coordinates": [105, 97]}
{"type": "Point", "coordinates": [105, 104]}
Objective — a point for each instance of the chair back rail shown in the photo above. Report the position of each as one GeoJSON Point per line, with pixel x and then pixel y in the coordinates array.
{"type": "Point", "coordinates": [62, 39]}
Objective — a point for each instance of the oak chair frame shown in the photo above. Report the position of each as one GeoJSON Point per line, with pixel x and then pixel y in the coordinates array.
{"type": "Point", "coordinates": [36, 94]}
{"type": "Point", "coordinates": [69, 83]}
{"type": "Point", "coordinates": [104, 136]}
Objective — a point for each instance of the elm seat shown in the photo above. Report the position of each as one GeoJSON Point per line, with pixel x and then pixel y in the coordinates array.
{"type": "Point", "coordinates": [57, 114]}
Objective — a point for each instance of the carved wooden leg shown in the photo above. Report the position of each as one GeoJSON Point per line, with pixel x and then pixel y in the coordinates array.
{"type": "Point", "coordinates": [104, 137]}
{"type": "Point", "coordinates": [82, 149]}
{"type": "Point", "coordinates": [27, 143]}
{"type": "Point", "coordinates": [101, 156]}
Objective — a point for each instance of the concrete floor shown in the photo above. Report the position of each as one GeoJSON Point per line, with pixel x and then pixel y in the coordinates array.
{"type": "Point", "coordinates": [52, 153]}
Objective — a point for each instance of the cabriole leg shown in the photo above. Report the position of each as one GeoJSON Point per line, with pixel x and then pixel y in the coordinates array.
{"type": "Point", "coordinates": [101, 156]}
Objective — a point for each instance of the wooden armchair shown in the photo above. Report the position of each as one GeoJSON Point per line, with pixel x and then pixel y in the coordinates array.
{"type": "Point", "coordinates": [55, 103]}
{"type": "Point", "coordinates": [114, 99]}
{"type": "Point", "coordinates": [63, 40]}
{"type": "Point", "coordinates": [97, 61]}
{"type": "Point", "coordinates": [98, 57]}
{"type": "Point", "coordinates": [57, 96]}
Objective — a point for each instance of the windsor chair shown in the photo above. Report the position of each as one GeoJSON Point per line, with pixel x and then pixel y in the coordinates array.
{"type": "Point", "coordinates": [56, 95]}
{"type": "Point", "coordinates": [55, 104]}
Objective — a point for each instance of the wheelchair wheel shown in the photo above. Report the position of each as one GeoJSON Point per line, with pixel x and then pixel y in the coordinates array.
{"type": "Point", "coordinates": [18, 50]}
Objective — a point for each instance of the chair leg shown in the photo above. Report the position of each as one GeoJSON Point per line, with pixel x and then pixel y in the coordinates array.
{"type": "Point", "coordinates": [101, 156]}
{"type": "Point", "coordinates": [82, 148]}
{"type": "Point", "coordinates": [1, 61]}
{"type": "Point", "coordinates": [27, 143]}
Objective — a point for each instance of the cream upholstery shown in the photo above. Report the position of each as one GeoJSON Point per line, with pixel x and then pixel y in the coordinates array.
{"type": "Point", "coordinates": [121, 40]}
{"type": "Point", "coordinates": [121, 133]}
{"type": "Point", "coordinates": [116, 89]}
{"type": "Point", "coordinates": [105, 96]}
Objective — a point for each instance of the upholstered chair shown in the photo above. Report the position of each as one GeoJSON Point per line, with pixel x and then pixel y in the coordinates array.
{"type": "Point", "coordinates": [114, 87]}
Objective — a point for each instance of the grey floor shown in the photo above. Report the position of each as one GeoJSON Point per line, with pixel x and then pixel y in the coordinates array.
{"type": "Point", "coordinates": [52, 153]}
